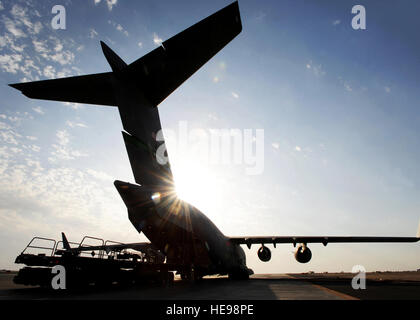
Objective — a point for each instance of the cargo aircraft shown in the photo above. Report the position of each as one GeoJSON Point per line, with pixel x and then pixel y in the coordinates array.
{"type": "Point", "coordinates": [179, 230]}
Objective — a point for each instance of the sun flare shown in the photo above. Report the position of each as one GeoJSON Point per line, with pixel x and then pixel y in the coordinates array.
{"type": "Point", "coordinates": [197, 185]}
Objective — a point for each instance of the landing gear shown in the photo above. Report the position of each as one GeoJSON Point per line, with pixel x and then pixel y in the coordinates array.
{"type": "Point", "coordinates": [191, 275]}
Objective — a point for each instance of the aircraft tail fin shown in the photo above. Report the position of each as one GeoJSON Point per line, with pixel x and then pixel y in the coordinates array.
{"type": "Point", "coordinates": [139, 87]}
{"type": "Point", "coordinates": [153, 77]}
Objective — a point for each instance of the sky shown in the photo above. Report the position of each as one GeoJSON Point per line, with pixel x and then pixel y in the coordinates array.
{"type": "Point", "coordinates": [339, 109]}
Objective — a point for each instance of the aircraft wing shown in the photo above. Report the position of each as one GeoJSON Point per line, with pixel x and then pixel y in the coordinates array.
{"type": "Point", "coordinates": [317, 239]}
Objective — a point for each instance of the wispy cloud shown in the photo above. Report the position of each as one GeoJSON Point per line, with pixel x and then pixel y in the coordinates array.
{"type": "Point", "coordinates": [62, 150]}
{"type": "Point", "coordinates": [21, 17]}
{"type": "Point", "coordinates": [92, 33]}
{"type": "Point", "coordinates": [109, 3]}
{"type": "Point", "coordinates": [348, 87]}
{"type": "Point", "coordinates": [49, 72]}
{"type": "Point", "coordinates": [346, 84]}
{"type": "Point", "coordinates": [10, 62]}
{"type": "Point", "coordinates": [38, 110]}
{"type": "Point", "coordinates": [22, 26]}
{"type": "Point", "coordinates": [118, 27]}
{"type": "Point", "coordinates": [157, 40]}
{"type": "Point", "coordinates": [99, 175]}
{"type": "Point", "coordinates": [260, 16]}
{"type": "Point", "coordinates": [317, 70]}
{"type": "Point", "coordinates": [76, 124]}
{"type": "Point", "coordinates": [73, 105]}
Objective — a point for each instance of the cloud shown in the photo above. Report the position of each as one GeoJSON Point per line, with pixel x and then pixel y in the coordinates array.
{"type": "Point", "coordinates": [99, 175]}
{"type": "Point", "coordinates": [92, 33]}
{"type": "Point", "coordinates": [235, 95]}
{"type": "Point", "coordinates": [38, 110]}
{"type": "Point", "coordinates": [49, 72]}
{"type": "Point", "coordinates": [62, 150]}
{"type": "Point", "coordinates": [348, 87]}
{"type": "Point", "coordinates": [34, 148]}
{"type": "Point", "coordinates": [21, 18]}
{"type": "Point", "coordinates": [316, 69]}
{"type": "Point", "coordinates": [157, 40]}
{"type": "Point", "coordinates": [109, 3]}
{"type": "Point", "coordinates": [63, 137]}
{"type": "Point", "coordinates": [10, 62]}
{"type": "Point", "coordinates": [11, 26]}
{"type": "Point", "coordinates": [297, 148]}
{"type": "Point", "coordinates": [40, 46]}
{"type": "Point", "coordinates": [260, 16]}
{"type": "Point", "coordinates": [73, 105]}
{"type": "Point", "coordinates": [275, 145]}
{"type": "Point", "coordinates": [345, 84]}
{"type": "Point", "coordinates": [8, 134]}
{"type": "Point", "coordinates": [76, 124]}
{"type": "Point", "coordinates": [336, 22]}
{"type": "Point", "coordinates": [118, 27]}
{"type": "Point", "coordinates": [39, 198]}
{"type": "Point", "coordinates": [18, 26]}
{"type": "Point", "coordinates": [63, 58]}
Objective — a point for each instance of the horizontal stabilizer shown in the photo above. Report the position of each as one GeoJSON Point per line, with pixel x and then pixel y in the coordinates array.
{"type": "Point", "coordinates": [91, 89]}
{"type": "Point", "coordinates": [164, 69]}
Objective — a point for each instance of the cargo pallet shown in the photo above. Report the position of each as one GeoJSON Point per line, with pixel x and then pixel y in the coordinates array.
{"type": "Point", "coordinates": [103, 265]}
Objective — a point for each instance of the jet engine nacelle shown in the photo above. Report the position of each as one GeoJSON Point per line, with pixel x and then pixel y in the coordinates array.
{"type": "Point", "coordinates": [264, 254]}
{"type": "Point", "coordinates": [303, 254]}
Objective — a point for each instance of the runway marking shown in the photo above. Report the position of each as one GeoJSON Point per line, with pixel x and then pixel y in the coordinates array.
{"type": "Point", "coordinates": [336, 293]}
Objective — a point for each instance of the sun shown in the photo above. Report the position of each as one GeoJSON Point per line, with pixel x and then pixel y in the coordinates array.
{"type": "Point", "coordinates": [196, 184]}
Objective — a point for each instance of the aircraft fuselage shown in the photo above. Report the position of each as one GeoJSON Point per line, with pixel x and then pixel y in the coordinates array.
{"type": "Point", "coordinates": [182, 232]}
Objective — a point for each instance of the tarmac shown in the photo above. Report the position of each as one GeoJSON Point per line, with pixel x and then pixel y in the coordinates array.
{"type": "Point", "coordinates": [259, 287]}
